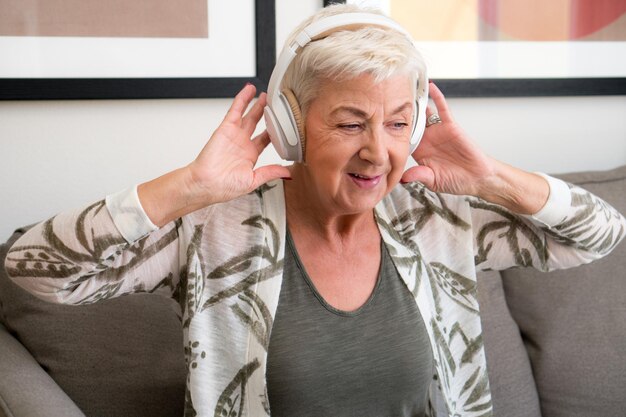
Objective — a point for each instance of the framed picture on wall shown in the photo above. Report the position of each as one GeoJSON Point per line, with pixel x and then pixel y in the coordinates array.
{"type": "Point", "coordinates": [115, 49]}
{"type": "Point", "coordinates": [517, 47]}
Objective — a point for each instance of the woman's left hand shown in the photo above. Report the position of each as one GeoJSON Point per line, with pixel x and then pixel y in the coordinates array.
{"type": "Point", "coordinates": [449, 161]}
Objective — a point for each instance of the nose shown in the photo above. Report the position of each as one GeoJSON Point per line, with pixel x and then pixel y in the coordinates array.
{"type": "Point", "coordinates": [374, 149]}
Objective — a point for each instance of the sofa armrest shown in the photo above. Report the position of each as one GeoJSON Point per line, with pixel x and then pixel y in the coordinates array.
{"type": "Point", "coordinates": [26, 390]}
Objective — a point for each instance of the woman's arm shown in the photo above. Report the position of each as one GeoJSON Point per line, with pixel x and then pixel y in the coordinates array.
{"type": "Point", "coordinates": [519, 218]}
{"type": "Point", "coordinates": [130, 241]}
{"type": "Point", "coordinates": [574, 227]}
{"type": "Point", "coordinates": [101, 251]}
{"type": "Point", "coordinates": [223, 170]}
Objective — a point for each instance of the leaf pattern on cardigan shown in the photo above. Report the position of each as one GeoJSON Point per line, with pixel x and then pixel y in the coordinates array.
{"type": "Point", "coordinates": [244, 303]}
{"type": "Point", "coordinates": [189, 410]}
{"type": "Point", "coordinates": [529, 244]}
{"type": "Point", "coordinates": [430, 238]}
{"type": "Point", "coordinates": [433, 204]}
{"type": "Point", "coordinates": [230, 403]}
{"type": "Point", "coordinates": [447, 286]}
{"type": "Point", "coordinates": [400, 230]}
{"type": "Point", "coordinates": [457, 288]}
{"type": "Point", "coordinates": [242, 262]}
{"type": "Point", "coordinates": [192, 282]}
{"type": "Point", "coordinates": [57, 260]}
{"type": "Point", "coordinates": [589, 207]}
{"type": "Point", "coordinates": [260, 321]}
{"type": "Point", "coordinates": [511, 228]}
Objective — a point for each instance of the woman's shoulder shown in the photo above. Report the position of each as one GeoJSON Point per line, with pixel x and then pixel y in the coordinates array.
{"type": "Point", "coordinates": [416, 195]}
{"type": "Point", "coordinates": [266, 200]}
{"type": "Point", "coordinates": [413, 207]}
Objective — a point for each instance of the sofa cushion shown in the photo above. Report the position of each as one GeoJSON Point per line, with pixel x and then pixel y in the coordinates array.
{"type": "Point", "coordinates": [25, 388]}
{"type": "Point", "coordinates": [574, 322]}
{"type": "Point", "coordinates": [513, 389]}
{"type": "Point", "coordinates": [120, 357]}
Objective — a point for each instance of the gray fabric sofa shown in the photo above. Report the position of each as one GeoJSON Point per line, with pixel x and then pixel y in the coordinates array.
{"type": "Point", "coordinates": [555, 343]}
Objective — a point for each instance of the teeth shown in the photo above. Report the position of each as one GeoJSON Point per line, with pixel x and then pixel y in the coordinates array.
{"type": "Point", "coordinates": [361, 176]}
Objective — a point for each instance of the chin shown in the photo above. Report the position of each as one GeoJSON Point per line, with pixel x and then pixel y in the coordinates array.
{"type": "Point", "coordinates": [361, 205]}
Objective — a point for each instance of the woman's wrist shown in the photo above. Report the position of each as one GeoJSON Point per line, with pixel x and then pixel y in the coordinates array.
{"type": "Point", "coordinates": [519, 191]}
{"type": "Point", "coordinates": [128, 215]}
{"type": "Point", "coordinates": [170, 196]}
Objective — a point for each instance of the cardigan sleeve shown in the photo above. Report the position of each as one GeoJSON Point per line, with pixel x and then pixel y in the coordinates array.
{"type": "Point", "coordinates": [573, 228]}
{"type": "Point", "coordinates": [104, 250]}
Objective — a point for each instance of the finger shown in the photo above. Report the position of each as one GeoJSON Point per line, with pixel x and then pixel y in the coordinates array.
{"type": "Point", "coordinates": [440, 101]}
{"type": "Point", "coordinates": [261, 141]}
{"type": "Point", "coordinates": [251, 119]}
{"type": "Point", "coordinates": [421, 174]}
{"type": "Point", "coordinates": [240, 103]}
{"type": "Point", "coordinates": [268, 173]}
{"type": "Point", "coordinates": [430, 111]}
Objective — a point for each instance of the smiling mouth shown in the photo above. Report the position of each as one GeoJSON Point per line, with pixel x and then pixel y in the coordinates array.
{"type": "Point", "coordinates": [365, 181]}
{"type": "Point", "coordinates": [363, 177]}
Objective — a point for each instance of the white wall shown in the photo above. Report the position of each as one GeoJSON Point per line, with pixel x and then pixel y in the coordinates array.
{"type": "Point", "coordinates": [56, 155]}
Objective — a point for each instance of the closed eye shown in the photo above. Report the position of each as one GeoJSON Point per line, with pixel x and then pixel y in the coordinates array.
{"type": "Point", "coordinates": [398, 126]}
{"type": "Point", "coordinates": [351, 126]}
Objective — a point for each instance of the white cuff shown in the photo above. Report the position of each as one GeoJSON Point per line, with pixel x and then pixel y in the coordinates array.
{"type": "Point", "coordinates": [128, 215]}
{"type": "Point", "coordinates": [558, 205]}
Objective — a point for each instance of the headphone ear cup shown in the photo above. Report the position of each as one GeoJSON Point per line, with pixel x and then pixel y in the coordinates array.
{"type": "Point", "coordinates": [416, 119]}
{"type": "Point", "coordinates": [419, 122]}
{"type": "Point", "coordinates": [297, 116]}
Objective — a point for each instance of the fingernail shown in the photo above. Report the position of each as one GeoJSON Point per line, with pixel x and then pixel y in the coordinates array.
{"type": "Point", "coordinates": [248, 83]}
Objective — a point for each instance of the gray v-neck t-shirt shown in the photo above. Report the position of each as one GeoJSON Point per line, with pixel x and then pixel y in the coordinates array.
{"type": "Point", "coordinates": [374, 361]}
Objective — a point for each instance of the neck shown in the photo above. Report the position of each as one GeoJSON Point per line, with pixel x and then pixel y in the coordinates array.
{"type": "Point", "coordinates": [309, 214]}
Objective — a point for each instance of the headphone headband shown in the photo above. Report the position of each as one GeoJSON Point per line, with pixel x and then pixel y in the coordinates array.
{"type": "Point", "coordinates": [280, 121]}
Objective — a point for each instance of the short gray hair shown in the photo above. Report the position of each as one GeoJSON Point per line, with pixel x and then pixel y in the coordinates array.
{"type": "Point", "coordinates": [345, 54]}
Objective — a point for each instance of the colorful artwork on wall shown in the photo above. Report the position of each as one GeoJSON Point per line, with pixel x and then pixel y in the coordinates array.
{"type": "Point", "coordinates": [105, 18]}
{"type": "Point", "coordinates": [517, 47]}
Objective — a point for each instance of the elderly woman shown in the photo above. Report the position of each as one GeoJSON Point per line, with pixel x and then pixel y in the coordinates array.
{"type": "Point", "coordinates": [339, 285]}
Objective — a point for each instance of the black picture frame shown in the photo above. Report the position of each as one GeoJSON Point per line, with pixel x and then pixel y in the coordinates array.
{"type": "Point", "coordinates": [155, 88]}
{"type": "Point", "coordinates": [527, 87]}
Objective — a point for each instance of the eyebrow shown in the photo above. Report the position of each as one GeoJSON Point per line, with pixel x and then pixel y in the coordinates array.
{"type": "Point", "coordinates": [360, 113]}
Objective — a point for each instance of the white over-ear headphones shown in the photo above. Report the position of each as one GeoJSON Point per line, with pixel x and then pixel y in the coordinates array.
{"type": "Point", "coordinates": [282, 113]}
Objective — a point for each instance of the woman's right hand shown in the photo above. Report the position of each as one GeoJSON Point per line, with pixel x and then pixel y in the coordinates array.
{"type": "Point", "coordinates": [224, 169]}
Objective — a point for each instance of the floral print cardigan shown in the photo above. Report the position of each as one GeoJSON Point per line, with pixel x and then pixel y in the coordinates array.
{"type": "Point", "coordinates": [225, 263]}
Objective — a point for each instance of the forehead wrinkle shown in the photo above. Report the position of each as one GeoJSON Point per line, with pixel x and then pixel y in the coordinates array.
{"type": "Point", "coordinates": [403, 107]}
{"type": "Point", "coordinates": [355, 111]}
